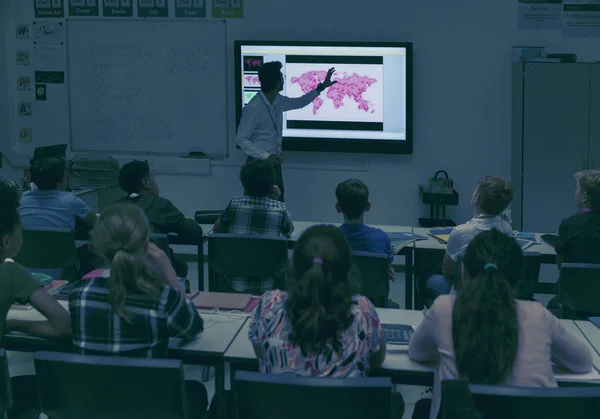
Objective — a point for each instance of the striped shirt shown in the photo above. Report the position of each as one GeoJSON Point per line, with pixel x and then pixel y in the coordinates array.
{"type": "Point", "coordinates": [98, 329]}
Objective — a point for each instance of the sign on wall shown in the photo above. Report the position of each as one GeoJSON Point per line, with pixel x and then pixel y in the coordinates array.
{"type": "Point", "coordinates": [153, 8]}
{"type": "Point", "coordinates": [117, 8]}
{"type": "Point", "coordinates": [83, 8]}
{"type": "Point", "coordinates": [227, 9]}
{"type": "Point", "coordinates": [190, 8]}
{"type": "Point", "coordinates": [49, 8]}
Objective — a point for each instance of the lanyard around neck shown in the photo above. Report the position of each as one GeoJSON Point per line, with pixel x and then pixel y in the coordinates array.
{"type": "Point", "coordinates": [273, 119]}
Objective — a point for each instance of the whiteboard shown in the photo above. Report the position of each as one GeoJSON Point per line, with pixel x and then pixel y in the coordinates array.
{"type": "Point", "coordinates": [158, 87]}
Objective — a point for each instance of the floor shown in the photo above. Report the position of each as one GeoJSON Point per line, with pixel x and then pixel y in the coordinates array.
{"type": "Point", "coordinates": [22, 363]}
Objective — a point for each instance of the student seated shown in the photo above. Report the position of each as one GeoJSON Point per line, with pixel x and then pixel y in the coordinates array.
{"type": "Point", "coordinates": [255, 212]}
{"type": "Point", "coordinates": [17, 285]}
{"type": "Point", "coordinates": [137, 304]}
{"type": "Point", "coordinates": [487, 336]}
{"type": "Point", "coordinates": [322, 327]}
{"type": "Point", "coordinates": [142, 190]}
{"type": "Point", "coordinates": [50, 206]}
{"type": "Point", "coordinates": [489, 200]}
{"type": "Point", "coordinates": [578, 238]}
{"type": "Point", "coordinates": [352, 202]}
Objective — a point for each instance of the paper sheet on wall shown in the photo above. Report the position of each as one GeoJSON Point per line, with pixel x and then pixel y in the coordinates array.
{"type": "Point", "coordinates": [540, 14]}
{"type": "Point", "coordinates": [581, 18]}
{"type": "Point", "coordinates": [49, 58]}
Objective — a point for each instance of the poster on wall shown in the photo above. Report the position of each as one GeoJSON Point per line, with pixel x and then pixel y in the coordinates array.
{"type": "Point", "coordinates": [83, 8]}
{"type": "Point", "coordinates": [581, 18]}
{"type": "Point", "coordinates": [190, 8]}
{"type": "Point", "coordinates": [226, 9]}
{"type": "Point", "coordinates": [117, 8]}
{"type": "Point", "coordinates": [48, 33]}
{"type": "Point", "coordinates": [540, 14]}
{"type": "Point", "coordinates": [49, 8]}
{"type": "Point", "coordinates": [153, 8]}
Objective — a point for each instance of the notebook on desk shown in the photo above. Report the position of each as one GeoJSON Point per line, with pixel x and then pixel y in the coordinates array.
{"type": "Point", "coordinates": [221, 300]}
{"type": "Point", "coordinates": [442, 234]}
{"type": "Point", "coordinates": [399, 240]}
{"type": "Point", "coordinates": [397, 334]}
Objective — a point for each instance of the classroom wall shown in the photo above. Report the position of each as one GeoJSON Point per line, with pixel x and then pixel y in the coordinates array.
{"type": "Point", "coordinates": [462, 100]}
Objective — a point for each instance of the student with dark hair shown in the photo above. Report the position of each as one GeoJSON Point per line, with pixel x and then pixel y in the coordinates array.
{"type": "Point", "coordinates": [490, 198]}
{"type": "Point", "coordinates": [136, 180]}
{"type": "Point", "coordinates": [487, 336]}
{"type": "Point", "coordinates": [17, 285]}
{"type": "Point", "coordinates": [134, 306]}
{"type": "Point", "coordinates": [256, 212]}
{"type": "Point", "coordinates": [321, 327]}
{"type": "Point", "coordinates": [50, 206]}
{"type": "Point", "coordinates": [352, 202]}
{"type": "Point", "coordinates": [261, 126]}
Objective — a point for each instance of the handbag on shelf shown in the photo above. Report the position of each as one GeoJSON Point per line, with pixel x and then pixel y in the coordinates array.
{"type": "Point", "coordinates": [440, 184]}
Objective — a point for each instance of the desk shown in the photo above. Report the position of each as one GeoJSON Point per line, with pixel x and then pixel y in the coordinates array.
{"type": "Point", "coordinates": [432, 245]}
{"type": "Point", "coordinates": [397, 365]}
{"type": "Point", "coordinates": [592, 335]}
{"type": "Point", "coordinates": [207, 349]}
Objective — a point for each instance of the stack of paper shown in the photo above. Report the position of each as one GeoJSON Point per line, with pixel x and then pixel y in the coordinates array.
{"type": "Point", "coordinates": [401, 239]}
{"type": "Point", "coordinates": [442, 234]}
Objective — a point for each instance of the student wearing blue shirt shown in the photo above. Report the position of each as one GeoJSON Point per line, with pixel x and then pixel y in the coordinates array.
{"type": "Point", "coordinates": [352, 202]}
{"type": "Point", "coordinates": [50, 206]}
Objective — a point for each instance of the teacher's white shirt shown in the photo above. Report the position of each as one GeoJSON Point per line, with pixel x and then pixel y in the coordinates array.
{"type": "Point", "coordinates": [261, 127]}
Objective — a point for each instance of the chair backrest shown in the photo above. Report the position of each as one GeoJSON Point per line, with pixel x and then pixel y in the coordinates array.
{"type": "Point", "coordinates": [531, 273]}
{"type": "Point", "coordinates": [373, 275]}
{"type": "Point", "coordinates": [535, 402]}
{"type": "Point", "coordinates": [207, 216]}
{"type": "Point", "coordinates": [579, 287]}
{"type": "Point", "coordinates": [267, 396]}
{"type": "Point", "coordinates": [46, 249]}
{"type": "Point", "coordinates": [247, 255]}
{"type": "Point", "coordinates": [5, 388]}
{"type": "Point", "coordinates": [74, 386]}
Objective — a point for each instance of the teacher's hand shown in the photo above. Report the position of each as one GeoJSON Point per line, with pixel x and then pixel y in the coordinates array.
{"type": "Point", "coordinates": [274, 159]}
{"type": "Point", "coordinates": [327, 82]}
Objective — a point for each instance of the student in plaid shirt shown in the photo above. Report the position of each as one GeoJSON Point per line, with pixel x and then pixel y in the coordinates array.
{"type": "Point", "coordinates": [135, 306]}
{"type": "Point", "coordinates": [255, 212]}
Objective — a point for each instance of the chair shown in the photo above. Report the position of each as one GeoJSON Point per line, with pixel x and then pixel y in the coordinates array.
{"type": "Point", "coordinates": [50, 251]}
{"type": "Point", "coordinates": [5, 387]}
{"type": "Point", "coordinates": [207, 216]}
{"type": "Point", "coordinates": [72, 386]}
{"type": "Point", "coordinates": [527, 402]}
{"type": "Point", "coordinates": [246, 255]}
{"type": "Point", "coordinates": [373, 270]}
{"type": "Point", "coordinates": [578, 290]}
{"type": "Point", "coordinates": [531, 273]}
{"type": "Point", "coordinates": [266, 396]}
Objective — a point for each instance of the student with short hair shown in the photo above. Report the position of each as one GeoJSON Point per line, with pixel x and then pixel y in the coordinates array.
{"type": "Point", "coordinates": [136, 180]}
{"type": "Point", "coordinates": [578, 238]}
{"type": "Point", "coordinates": [353, 202]}
{"type": "Point", "coordinates": [487, 336]}
{"type": "Point", "coordinates": [135, 306]}
{"type": "Point", "coordinates": [322, 327]}
{"type": "Point", "coordinates": [256, 212]}
{"type": "Point", "coordinates": [50, 206]}
{"type": "Point", "coordinates": [490, 198]}
{"type": "Point", "coordinates": [17, 285]}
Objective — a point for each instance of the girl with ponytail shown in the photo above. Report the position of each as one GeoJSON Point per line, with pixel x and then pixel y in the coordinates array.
{"type": "Point", "coordinates": [487, 336]}
{"type": "Point", "coordinates": [137, 304]}
{"type": "Point", "coordinates": [321, 328]}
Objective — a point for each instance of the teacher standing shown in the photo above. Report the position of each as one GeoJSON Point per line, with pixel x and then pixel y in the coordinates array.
{"type": "Point", "coordinates": [261, 128]}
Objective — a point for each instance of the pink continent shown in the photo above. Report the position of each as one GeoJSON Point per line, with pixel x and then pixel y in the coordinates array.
{"type": "Point", "coordinates": [352, 86]}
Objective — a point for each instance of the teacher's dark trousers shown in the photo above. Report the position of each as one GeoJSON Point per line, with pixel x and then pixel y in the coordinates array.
{"type": "Point", "coordinates": [278, 178]}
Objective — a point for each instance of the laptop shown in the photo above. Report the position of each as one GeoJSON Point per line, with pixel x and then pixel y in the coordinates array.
{"type": "Point", "coordinates": [221, 300]}
{"type": "Point", "coordinates": [397, 334]}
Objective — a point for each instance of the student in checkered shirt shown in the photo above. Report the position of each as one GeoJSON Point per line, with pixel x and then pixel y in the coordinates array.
{"type": "Point", "coordinates": [135, 306]}
{"type": "Point", "coordinates": [256, 212]}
